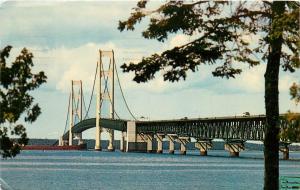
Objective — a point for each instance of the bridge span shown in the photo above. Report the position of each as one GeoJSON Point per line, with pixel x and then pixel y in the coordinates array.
{"type": "Point", "coordinates": [139, 135]}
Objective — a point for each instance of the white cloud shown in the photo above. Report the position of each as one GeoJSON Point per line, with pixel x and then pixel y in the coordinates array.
{"type": "Point", "coordinates": [179, 40]}
{"type": "Point", "coordinates": [251, 80]}
{"type": "Point", "coordinates": [286, 81]}
{"type": "Point", "coordinates": [58, 23]}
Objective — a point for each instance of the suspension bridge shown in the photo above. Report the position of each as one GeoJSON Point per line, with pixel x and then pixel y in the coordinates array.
{"type": "Point", "coordinates": [139, 135]}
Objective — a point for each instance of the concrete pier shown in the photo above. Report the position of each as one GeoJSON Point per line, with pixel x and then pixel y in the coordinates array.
{"type": "Point", "coordinates": [122, 142]}
{"type": "Point", "coordinates": [98, 138]}
{"type": "Point", "coordinates": [79, 137]}
{"type": "Point", "coordinates": [110, 140]}
{"type": "Point", "coordinates": [159, 138]}
{"type": "Point", "coordinates": [286, 155]}
{"type": "Point", "coordinates": [135, 142]}
{"type": "Point", "coordinates": [182, 149]}
{"type": "Point", "coordinates": [149, 139]}
{"type": "Point", "coordinates": [234, 148]}
{"type": "Point", "coordinates": [131, 136]}
{"type": "Point", "coordinates": [203, 146]}
{"type": "Point", "coordinates": [62, 142]}
{"type": "Point", "coordinates": [183, 141]}
{"type": "Point", "coordinates": [171, 144]}
{"type": "Point", "coordinates": [285, 151]}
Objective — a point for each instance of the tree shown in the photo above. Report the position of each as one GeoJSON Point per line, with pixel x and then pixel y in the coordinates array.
{"type": "Point", "coordinates": [17, 80]}
{"type": "Point", "coordinates": [295, 92]}
{"type": "Point", "coordinates": [291, 132]}
{"type": "Point", "coordinates": [220, 29]}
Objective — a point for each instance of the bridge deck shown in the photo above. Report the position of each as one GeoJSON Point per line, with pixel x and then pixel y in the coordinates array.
{"type": "Point", "coordinates": [228, 128]}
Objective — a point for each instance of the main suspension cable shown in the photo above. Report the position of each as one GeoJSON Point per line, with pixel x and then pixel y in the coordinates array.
{"type": "Point", "coordinates": [123, 94]}
{"type": "Point", "coordinates": [92, 94]}
{"type": "Point", "coordinates": [67, 118]}
{"type": "Point", "coordinates": [85, 111]}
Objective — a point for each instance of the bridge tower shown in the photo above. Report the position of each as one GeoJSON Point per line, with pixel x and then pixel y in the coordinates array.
{"type": "Point", "coordinates": [105, 91]}
{"type": "Point", "coordinates": [75, 109]}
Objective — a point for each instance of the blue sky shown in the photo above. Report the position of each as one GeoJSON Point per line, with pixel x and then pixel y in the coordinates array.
{"type": "Point", "coordinates": [65, 38]}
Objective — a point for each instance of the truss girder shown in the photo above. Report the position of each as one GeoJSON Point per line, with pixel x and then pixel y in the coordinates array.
{"type": "Point", "coordinates": [247, 128]}
{"type": "Point", "coordinates": [242, 128]}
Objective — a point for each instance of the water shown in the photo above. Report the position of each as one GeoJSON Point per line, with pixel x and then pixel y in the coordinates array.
{"type": "Point", "coordinates": [34, 170]}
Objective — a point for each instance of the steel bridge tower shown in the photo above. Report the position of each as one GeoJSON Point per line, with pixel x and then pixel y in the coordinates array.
{"type": "Point", "coordinates": [105, 92]}
{"type": "Point", "coordinates": [75, 109]}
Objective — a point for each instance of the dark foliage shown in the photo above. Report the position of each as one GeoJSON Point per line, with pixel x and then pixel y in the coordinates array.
{"type": "Point", "coordinates": [17, 80]}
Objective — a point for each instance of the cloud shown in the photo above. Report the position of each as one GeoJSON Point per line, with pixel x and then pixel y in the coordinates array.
{"type": "Point", "coordinates": [179, 40]}
{"type": "Point", "coordinates": [53, 24]}
{"type": "Point", "coordinates": [251, 80]}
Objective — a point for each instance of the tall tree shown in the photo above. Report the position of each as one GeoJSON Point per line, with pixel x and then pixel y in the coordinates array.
{"type": "Point", "coordinates": [220, 29]}
{"type": "Point", "coordinates": [17, 80]}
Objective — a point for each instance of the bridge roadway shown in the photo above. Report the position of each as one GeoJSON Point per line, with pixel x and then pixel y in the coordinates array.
{"type": "Point", "coordinates": [227, 128]}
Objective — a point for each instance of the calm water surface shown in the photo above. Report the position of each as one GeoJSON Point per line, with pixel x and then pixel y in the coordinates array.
{"type": "Point", "coordinates": [33, 170]}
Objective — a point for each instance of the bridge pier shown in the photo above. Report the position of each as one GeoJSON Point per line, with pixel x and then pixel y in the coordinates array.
{"type": "Point", "coordinates": [131, 136]}
{"type": "Point", "coordinates": [62, 142]}
{"type": "Point", "coordinates": [171, 144]}
{"type": "Point", "coordinates": [203, 146]}
{"type": "Point", "coordinates": [98, 138]}
{"type": "Point", "coordinates": [285, 151]}
{"type": "Point", "coordinates": [234, 148]}
{"type": "Point", "coordinates": [135, 142]}
{"type": "Point", "coordinates": [149, 139]}
{"type": "Point", "coordinates": [159, 138]}
{"type": "Point", "coordinates": [286, 154]}
{"type": "Point", "coordinates": [183, 141]}
{"type": "Point", "coordinates": [110, 147]}
{"type": "Point", "coordinates": [122, 143]}
{"type": "Point", "coordinates": [79, 137]}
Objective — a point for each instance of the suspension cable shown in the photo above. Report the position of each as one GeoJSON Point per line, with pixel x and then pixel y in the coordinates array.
{"type": "Point", "coordinates": [123, 94]}
{"type": "Point", "coordinates": [85, 111]}
{"type": "Point", "coordinates": [105, 84]}
{"type": "Point", "coordinates": [77, 104]}
{"type": "Point", "coordinates": [106, 90]}
{"type": "Point", "coordinates": [83, 107]}
{"type": "Point", "coordinates": [67, 118]}
{"type": "Point", "coordinates": [92, 94]}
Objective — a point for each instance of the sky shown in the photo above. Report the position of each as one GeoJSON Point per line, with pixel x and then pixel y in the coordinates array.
{"type": "Point", "coordinates": [65, 38]}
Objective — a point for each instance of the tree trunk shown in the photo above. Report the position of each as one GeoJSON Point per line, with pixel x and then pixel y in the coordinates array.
{"type": "Point", "coordinates": [271, 142]}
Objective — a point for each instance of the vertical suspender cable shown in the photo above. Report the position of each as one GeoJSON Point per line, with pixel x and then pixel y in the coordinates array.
{"type": "Point", "coordinates": [106, 89]}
